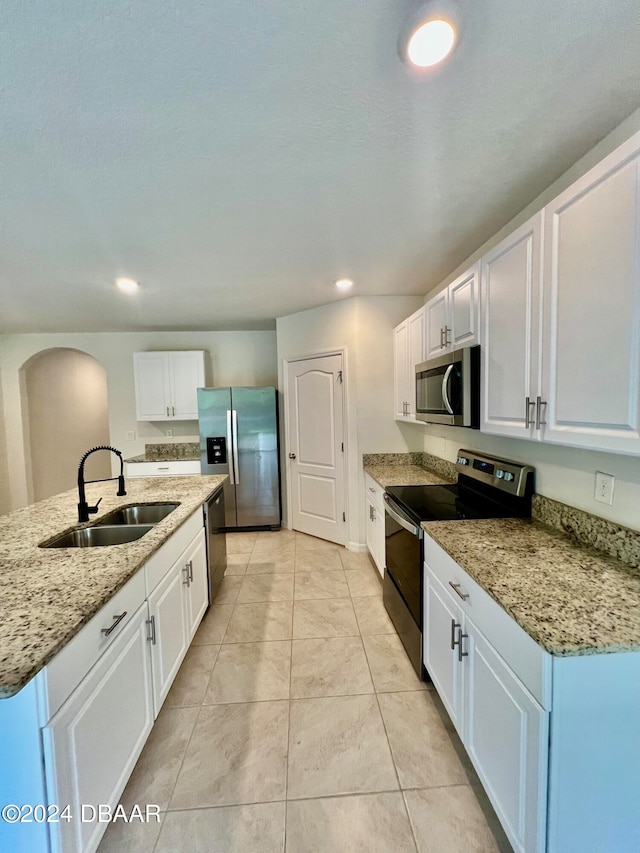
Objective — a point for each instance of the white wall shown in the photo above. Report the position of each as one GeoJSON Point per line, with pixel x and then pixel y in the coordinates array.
{"type": "Point", "coordinates": [5, 492]}
{"type": "Point", "coordinates": [564, 474]}
{"type": "Point", "coordinates": [363, 327]}
{"type": "Point", "coordinates": [238, 358]}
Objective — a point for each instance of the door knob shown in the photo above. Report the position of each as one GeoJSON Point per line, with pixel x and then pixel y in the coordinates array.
{"type": "Point", "coordinates": [292, 456]}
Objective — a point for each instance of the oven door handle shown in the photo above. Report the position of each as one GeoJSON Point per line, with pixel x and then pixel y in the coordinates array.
{"type": "Point", "coordinates": [445, 389]}
{"type": "Point", "coordinates": [402, 520]}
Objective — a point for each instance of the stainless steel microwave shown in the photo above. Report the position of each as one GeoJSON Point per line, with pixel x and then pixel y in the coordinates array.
{"type": "Point", "coordinates": [448, 389]}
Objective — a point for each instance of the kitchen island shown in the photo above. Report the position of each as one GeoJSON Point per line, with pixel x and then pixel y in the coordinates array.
{"type": "Point", "coordinates": [90, 642]}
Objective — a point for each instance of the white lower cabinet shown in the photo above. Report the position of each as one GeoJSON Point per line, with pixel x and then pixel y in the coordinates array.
{"type": "Point", "coordinates": [197, 590]}
{"type": "Point", "coordinates": [375, 522]}
{"type": "Point", "coordinates": [442, 620]}
{"type": "Point", "coordinates": [92, 744]}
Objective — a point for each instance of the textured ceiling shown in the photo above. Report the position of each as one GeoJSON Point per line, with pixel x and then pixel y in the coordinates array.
{"type": "Point", "coordinates": [236, 158]}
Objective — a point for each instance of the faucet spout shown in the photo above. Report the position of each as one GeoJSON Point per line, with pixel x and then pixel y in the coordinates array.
{"type": "Point", "coordinates": [83, 507]}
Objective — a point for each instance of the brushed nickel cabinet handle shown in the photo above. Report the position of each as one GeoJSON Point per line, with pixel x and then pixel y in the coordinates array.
{"type": "Point", "coordinates": [190, 567]}
{"type": "Point", "coordinates": [167, 411]}
{"type": "Point", "coordinates": [454, 626]}
{"type": "Point", "coordinates": [446, 336]}
{"type": "Point", "coordinates": [456, 588]}
{"type": "Point", "coordinates": [117, 620]}
{"type": "Point", "coordinates": [185, 571]}
{"type": "Point", "coordinates": [539, 404]}
{"type": "Point", "coordinates": [173, 411]}
{"type": "Point", "coordinates": [462, 654]}
{"type": "Point", "coordinates": [152, 624]}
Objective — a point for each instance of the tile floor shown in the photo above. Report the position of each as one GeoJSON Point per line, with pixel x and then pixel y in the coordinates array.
{"type": "Point", "coordinates": [297, 723]}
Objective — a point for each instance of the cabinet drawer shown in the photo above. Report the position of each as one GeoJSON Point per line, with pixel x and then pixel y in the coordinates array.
{"type": "Point", "coordinates": [159, 564]}
{"type": "Point", "coordinates": [375, 492]}
{"type": "Point", "coordinates": [67, 669]}
{"type": "Point", "coordinates": [163, 469]}
{"type": "Point", "coordinates": [526, 658]}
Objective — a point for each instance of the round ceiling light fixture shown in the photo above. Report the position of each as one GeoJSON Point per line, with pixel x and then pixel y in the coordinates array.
{"type": "Point", "coordinates": [343, 283]}
{"type": "Point", "coordinates": [430, 34]}
{"type": "Point", "coordinates": [127, 285]}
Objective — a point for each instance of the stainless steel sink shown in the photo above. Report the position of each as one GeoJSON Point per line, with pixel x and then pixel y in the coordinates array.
{"type": "Point", "coordinates": [100, 536]}
{"type": "Point", "coordinates": [138, 514]}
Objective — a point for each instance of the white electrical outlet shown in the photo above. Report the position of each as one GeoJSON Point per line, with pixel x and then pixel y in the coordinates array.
{"type": "Point", "coordinates": [131, 435]}
{"type": "Point", "coordinates": [169, 433]}
{"type": "Point", "coordinates": [604, 488]}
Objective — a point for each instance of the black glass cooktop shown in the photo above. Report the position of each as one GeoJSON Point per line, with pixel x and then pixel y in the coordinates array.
{"type": "Point", "coordinates": [448, 503]}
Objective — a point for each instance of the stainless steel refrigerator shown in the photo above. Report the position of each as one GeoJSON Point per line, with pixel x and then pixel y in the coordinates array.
{"type": "Point", "coordinates": [239, 437]}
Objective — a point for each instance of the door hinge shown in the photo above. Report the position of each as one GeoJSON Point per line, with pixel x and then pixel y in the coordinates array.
{"type": "Point", "coordinates": [340, 377]}
{"type": "Point", "coordinates": [342, 445]}
{"type": "Point", "coordinates": [344, 516]}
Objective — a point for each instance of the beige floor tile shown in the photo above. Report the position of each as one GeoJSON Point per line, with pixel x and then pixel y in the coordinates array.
{"type": "Point", "coordinates": [214, 624]}
{"type": "Point", "coordinates": [157, 768]}
{"type": "Point", "coordinates": [228, 590]}
{"type": "Point", "coordinates": [230, 829]}
{"type": "Point", "coordinates": [310, 585]}
{"type": "Point", "coordinates": [272, 551]}
{"type": "Point", "coordinates": [422, 750]}
{"type": "Point", "coordinates": [356, 560]}
{"type": "Point", "coordinates": [264, 564]}
{"type": "Point", "coordinates": [271, 587]}
{"type": "Point", "coordinates": [237, 754]}
{"type": "Point", "coordinates": [312, 543]}
{"type": "Point", "coordinates": [389, 664]}
{"type": "Point", "coordinates": [372, 616]}
{"type": "Point", "coordinates": [338, 746]}
{"type": "Point", "coordinates": [334, 666]}
{"type": "Point", "coordinates": [449, 819]}
{"type": "Point", "coordinates": [193, 677]}
{"type": "Point", "coordinates": [133, 837]}
{"type": "Point", "coordinates": [236, 564]}
{"type": "Point", "coordinates": [324, 618]}
{"type": "Point", "coordinates": [260, 621]}
{"type": "Point", "coordinates": [276, 538]}
{"type": "Point", "coordinates": [364, 823]}
{"type": "Point", "coordinates": [240, 543]}
{"type": "Point", "coordinates": [318, 561]}
{"type": "Point", "coordinates": [364, 582]}
{"type": "Point", "coordinates": [247, 672]}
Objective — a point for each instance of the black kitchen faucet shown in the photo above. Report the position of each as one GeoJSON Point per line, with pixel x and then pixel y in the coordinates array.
{"type": "Point", "coordinates": [84, 510]}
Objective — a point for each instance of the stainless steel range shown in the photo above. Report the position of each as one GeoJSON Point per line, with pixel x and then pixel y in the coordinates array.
{"type": "Point", "coordinates": [487, 487]}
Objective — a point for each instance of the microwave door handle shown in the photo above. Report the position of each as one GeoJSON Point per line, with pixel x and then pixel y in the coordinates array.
{"type": "Point", "coordinates": [445, 389]}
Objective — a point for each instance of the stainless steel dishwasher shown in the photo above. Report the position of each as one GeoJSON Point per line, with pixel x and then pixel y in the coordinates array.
{"type": "Point", "coordinates": [214, 523]}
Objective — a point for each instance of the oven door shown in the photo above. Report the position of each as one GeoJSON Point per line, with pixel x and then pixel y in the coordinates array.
{"type": "Point", "coordinates": [403, 557]}
{"type": "Point", "coordinates": [448, 389]}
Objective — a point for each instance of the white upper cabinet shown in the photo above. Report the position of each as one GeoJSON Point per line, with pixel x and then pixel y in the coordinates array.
{"type": "Point", "coordinates": [166, 384]}
{"type": "Point", "coordinates": [408, 350]}
{"type": "Point", "coordinates": [451, 317]}
{"type": "Point", "coordinates": [510, 354]}
{"type": "Point", "coordinates": [591, 343]}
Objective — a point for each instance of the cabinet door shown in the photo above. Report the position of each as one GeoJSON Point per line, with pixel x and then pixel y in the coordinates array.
{"type": "Point", "coordinates": [186, 375]}
{"type": "Point", "coordinates": [436, 313]}
{"type": "Point", "coordinates": [152, 386]}
{"type": "Point", "coordinates": [416, 355]}
{"type": "Point", "coordinates": [197, 597]}
{"type": "Point", "coordinates": [592, 308]}
{"type": "Point", "coordinates": [401, 370]}
{"type": "Point", "coordinates": [442, 625]}
{"type": "Point", "coordinates": [506, 736]}
{"type": "Point", "coordinates": [462, 326]}
{"type": "Point", "coordinates": [168, 630]}
{"type": "Point", "coordinates": [375, 533]}
{"type": "Point", "coordinates": [93, 742]}
{"type": "Point", "coordinates": [510, 354]}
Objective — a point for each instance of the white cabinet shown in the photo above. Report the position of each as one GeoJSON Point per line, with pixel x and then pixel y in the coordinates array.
{"type": "Point", "coordinates": [164, 468]}
{"type": "Point", "coordinates": [510, 338]}
{"type": "Point", "coordinates": [408, 349]}
{"type": "Point", "coordinates": [375, 522]}
{"type": "Point", "coordinates": [197, 589]}
{"type": "Point", "coordinates": [451, 317]}
{"type": "Point", "coordinates": [93, 742]}
{"type": "Point", "coordinates": [561, 316]}
{"type": "Point", "coordinates": [166, 384]}
{"type": "Point", "coordinates": [501, 724]}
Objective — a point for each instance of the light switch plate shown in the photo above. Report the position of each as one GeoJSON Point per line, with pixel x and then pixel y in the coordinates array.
{"type": "Point", "coordinates": [131, 435]}
{"type": "Point", "coordinates": [604, 488]}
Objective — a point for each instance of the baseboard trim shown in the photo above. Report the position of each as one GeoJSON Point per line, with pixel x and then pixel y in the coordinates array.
{"type": "Point", "coordinates": [359, 547]}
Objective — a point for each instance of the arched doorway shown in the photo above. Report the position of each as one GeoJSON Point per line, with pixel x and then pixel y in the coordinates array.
{"type": "Point", "coordinates": [65, 412]}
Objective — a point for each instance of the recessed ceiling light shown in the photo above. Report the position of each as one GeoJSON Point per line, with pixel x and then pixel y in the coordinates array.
{"type": "Point", "coordinates": [127, 285]}
{"type": "Point", "coordinates": [343, 283]}
{"type": "Point", "coordinates": [430, 34]}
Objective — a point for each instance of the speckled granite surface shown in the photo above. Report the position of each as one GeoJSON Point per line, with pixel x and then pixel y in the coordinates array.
{"type": "Point", "coordinates": [572, 600]}
{"type": "Point", "coordinates": [403, 475]}
{"type": "Point", "coordinates": [47, 595]}
{"type": "Point", "coordinates": [178, 452]}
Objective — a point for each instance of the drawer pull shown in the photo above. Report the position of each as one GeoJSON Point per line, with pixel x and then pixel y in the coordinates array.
{"type": "Point", "coordinates": [371, 489]}
{"type": "Point", "coordinates": [160, 468]}
{"type": "Point", "coordinates": [117, 620]}
{"type": "Point", "coordinates": [456, 588]}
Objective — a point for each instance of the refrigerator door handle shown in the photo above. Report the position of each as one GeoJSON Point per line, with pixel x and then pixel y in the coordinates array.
{"type": "Point", "coordinates": [230, 456]}
{"type": "Point", "coordinates": [234, 427]}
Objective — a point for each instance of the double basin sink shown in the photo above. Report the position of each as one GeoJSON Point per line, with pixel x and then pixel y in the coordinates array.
{"type": "Point", "coordinates": [117, 527]}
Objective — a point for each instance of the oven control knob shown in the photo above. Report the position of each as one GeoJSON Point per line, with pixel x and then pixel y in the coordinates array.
{"type": "Point", "coordinates": [508, 476]}
{"type": "Point", "coordinates": [499, 473]}
{"type": "Point", "coordinates": [462, 460]}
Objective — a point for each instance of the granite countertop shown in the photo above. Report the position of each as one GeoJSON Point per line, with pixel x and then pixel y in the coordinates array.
{"type": "Point", "coordinates": [187, 451]}
{"type": "Point", "coordinates": [404, 475]}
{"type": "Point", "coordinates": [47, 595]}
{"type": "Point", "coordinates": [571, 599]}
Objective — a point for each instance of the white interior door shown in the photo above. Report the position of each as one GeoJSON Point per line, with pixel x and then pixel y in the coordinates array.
{"type": "Point", "coordinates": [316, 447]}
